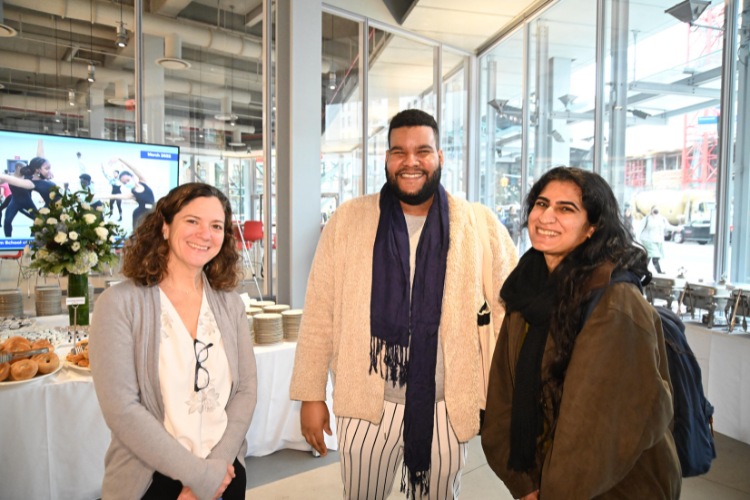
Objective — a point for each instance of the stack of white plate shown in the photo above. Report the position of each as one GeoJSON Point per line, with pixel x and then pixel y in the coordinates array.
{"type": "Point", "coordinates": [11, 302]}
{"type": "Point", "coordinates": [263, 303]}
{"type": "Point", "coordinates": [292, 319]}
{"type": "Point", "coordinates": [91, 298]}
{"type": "Point", "coordinates": [252, 311]}
{"type": "Point", "coordinates": [276, 309]}
{"type": "Point", "coordinates": [48, 300]}
{"type": "Point", "coordinates": [250, 324]}
{"type": "Point", "coordinates": [268, 329]}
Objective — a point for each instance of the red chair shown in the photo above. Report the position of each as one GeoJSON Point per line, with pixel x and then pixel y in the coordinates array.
{"type": "Point", "coordinates": [243, 245]}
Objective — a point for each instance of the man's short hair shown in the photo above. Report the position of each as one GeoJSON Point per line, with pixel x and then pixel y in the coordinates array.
{"type": "Point", "coordinates": [414, 118]}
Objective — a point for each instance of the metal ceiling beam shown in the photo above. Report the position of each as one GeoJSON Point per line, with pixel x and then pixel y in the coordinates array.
{"type": "Point", "coordinates": [675, 89]}
{"type": "Point", "coordinates": [688, 109]}
{"type": "Point", "coordinates": [254, 16]}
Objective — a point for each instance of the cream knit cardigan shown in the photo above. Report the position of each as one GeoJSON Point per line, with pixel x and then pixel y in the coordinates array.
{"type": "Point", "coordinates": [335, 330]}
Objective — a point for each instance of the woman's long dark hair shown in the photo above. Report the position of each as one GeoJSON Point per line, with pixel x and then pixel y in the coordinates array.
{"type": "Point", "coordinates": [611, 242]}
{"type": "Point", "coordinates": [34, 166]}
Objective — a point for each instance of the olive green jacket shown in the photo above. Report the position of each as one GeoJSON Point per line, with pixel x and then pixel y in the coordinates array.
{"type": "Point", "coordinates": [613, 437]}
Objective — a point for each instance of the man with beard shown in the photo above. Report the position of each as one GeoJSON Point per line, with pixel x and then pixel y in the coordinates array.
{"type": "Point", "coordinates": [392, 308]}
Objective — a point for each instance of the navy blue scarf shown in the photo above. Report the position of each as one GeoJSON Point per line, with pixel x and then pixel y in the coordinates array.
{"type": "Point", "coordinates": [391, 327]}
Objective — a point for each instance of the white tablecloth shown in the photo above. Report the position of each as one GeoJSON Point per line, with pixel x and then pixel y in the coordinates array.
{"type": "Point", "coordinates": [53, 436]}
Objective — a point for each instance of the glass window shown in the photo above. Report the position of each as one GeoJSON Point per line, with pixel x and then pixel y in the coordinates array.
{"type": "Point", "coordinates": [563, 87]}
{"type": "Point", "coordinates": [67, 76]}
{"type": "Point", "coordinates": [738, 197]}
{"type": "Point", "coordinates": [500, 106]}
{"type": "Point", "coordinates": [341, 142]}
{"type": "Point", "coordinates": [661, 114]}
{"type": "Point", "coordinates": [401, 77]}
{"type": "Point", "coordinates": [454, 137]}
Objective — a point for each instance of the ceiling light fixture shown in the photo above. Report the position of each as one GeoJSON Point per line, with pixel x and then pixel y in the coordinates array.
{"type": "Point", "coordinates": [71, 97]}
{"type": "Point", "coordinates": [332, 80]}
{"type": "Point", "coordinates": [640, 114]}
{"type": "Point", "coordinates": [91, 73]}
{"type": "Point", "coordinates": [690, 11]}
{"type": "Point", "coordinates": [122, 36]}
{"type": "Point", "coordinates": [57, 116]}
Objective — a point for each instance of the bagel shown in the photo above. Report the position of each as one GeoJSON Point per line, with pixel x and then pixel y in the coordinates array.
{"type": "Point", "coordinates": [24, 370]}
{"type": "Point", "coordinates": [41, 344]}
{"type": "Point", "coordinates": [18, 347]}
{"type": "Point", "coordinates": [11, 342]}
{"type": "Point", "coordinates": [47, 362]}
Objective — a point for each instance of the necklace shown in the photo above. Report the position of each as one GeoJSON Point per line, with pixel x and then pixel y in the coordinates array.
{"type": "Point", "coordinates": [187, 292]}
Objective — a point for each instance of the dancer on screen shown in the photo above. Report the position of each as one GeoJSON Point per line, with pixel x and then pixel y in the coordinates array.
{"type": "Point", "coordinates": [36, 177]}
{"type": "Point", "coordinates": [114, 181]}
{"type": "Point", "coordinates": [140, 192]}
{"type": "Point", "coordinates": [8, 192]}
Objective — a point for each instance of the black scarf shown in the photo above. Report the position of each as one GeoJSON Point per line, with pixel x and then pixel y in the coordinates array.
{"type": "Point", "coordinates": [391, 327]}
{"type": "Point", "coordinates": [531, 291]}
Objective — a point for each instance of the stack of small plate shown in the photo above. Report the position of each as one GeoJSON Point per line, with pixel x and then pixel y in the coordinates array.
{"type": "Point", "coordinates": [292, 319]}
{"type": "Point", "coordinates": [263, 303]}
{"type": "Point", "coordinates": [250, 323]}
{"type": "Point", "coordinates": [268, 329]}
{"type": "Point", "coordinates": [112, 282]}
{"type": "Point", "coordinates": [252, 311]}
{"type": "Point", "coordinates": [275, 309]}
{"type": "Point", "coordinates": [11, 302]}
{"type": "Point", "coordinates": [91, 298]}
{"type": "Point", "coordinates": [48, 300]}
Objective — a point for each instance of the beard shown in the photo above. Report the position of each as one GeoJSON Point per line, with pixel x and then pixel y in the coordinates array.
{"type": "Point", "coordinates": [426, 192]}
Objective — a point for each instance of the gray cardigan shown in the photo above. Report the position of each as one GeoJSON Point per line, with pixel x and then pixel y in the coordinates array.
{"type": "Point", "coordinates": [124, 348]}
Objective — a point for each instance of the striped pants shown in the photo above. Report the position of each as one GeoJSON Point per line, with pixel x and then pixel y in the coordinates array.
{"type": "Point", "coordinates": [371, 454]}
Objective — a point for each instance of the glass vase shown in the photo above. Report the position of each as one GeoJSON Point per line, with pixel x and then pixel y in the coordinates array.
{"type": "Point", "coordinates": [78, 286]}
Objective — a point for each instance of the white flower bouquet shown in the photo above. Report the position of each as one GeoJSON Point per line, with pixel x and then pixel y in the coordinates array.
{"type": "Point", "coordinates": [71, 237]}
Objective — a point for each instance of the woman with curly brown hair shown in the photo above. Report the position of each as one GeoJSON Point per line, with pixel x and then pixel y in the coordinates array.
{"type": "Point", "coordinates": [577, 410]}
{"type": "Point", "coordinates": [172, 358]}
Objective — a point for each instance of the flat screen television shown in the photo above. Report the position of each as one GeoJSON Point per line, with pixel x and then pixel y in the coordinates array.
{"type": "Point", "coordinates": [127, 177]}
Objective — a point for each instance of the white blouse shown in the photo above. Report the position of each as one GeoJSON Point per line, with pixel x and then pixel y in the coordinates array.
{"type": "Point", "coordinates": [197, 420]}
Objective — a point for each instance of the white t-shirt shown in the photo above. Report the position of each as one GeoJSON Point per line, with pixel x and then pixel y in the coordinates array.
{"type": "Point", "coordinates": [196, 419]}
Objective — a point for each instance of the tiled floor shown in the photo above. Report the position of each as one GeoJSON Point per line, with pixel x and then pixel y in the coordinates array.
{"type": "Point", "coordinates": [294, 475]}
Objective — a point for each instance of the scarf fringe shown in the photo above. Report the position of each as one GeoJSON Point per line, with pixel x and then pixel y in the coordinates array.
{"type": "Point", "coordinates": [420, 479]}
{"type": "Point", "coordinates": [392, 359]}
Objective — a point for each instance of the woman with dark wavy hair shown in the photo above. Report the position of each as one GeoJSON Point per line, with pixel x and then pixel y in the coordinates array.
{"type": "Point", "coordinates": [580, 411]}
{"type": "Point", "coordinates": [172, 358]}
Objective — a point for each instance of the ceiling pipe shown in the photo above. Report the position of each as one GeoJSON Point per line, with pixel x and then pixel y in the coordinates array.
{"type": "Point", "coordinates": [43, 66]}
{"type": "Point", "coordinates": [79, 28]}
{"type": "Point", "coordinates": [109, 14]}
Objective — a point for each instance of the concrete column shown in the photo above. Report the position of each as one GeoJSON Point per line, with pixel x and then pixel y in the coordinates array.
{"type": "Point", "coordinates": [559, 82]}
{"type": "Point", "coordinates": [543, 102]}
{"type": "Point", "coordinates": [618, 100]}
{"type": "Point", "coordinates": [153, 90]}
{"type": "Point", "coordinates": [298, 132]}
{"type": "Point", "coordinates": [96, 117]}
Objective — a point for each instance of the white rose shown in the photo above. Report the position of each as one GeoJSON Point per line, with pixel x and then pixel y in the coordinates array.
{"type": "Point", "coordinates": [102, 223]}
{"type": "Point", "coordinates": [73, 235]}
{"type": "Point", "coordinates": [112, 238]}
{"type": "Point", "coordinates": [64, 217]}
{"type": "Point", "coordinates": [51, 195]}
{"type": "Point", "coordinates": [101, 233]}
{"type": "Point", "coordinates": [75, 246]}
{"type": "Point", "coordinates": [44, 211]}
{"type": "Point", "coordinates": [38, 222]}
{"type": "Point", "coordinates": [61, 238]}
{"type": "Point", "coordinates": [86, 206]}
{"type": "Point", "coordinates": [100, 208]}
{"type": "Point", "coordinates": [89, 218]}
{"type": "Point", "coordinates": [51, 221]}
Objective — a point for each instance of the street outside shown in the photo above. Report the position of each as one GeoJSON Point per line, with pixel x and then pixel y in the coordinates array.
{"type": "Point", "coordinates": [697, 261]}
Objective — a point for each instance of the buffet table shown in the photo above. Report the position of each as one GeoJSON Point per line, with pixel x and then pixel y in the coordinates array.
{"type": "Point", "coordinates": [53, 435]}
